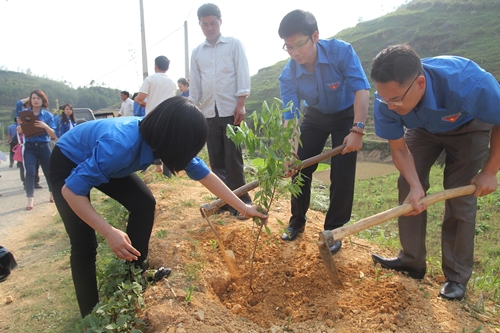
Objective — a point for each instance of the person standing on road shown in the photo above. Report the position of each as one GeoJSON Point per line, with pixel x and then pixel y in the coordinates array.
{"type": "Point", "coordinates": [220, 84]}
{"type": "Point", "coordinates": [183, 85]}
{"type": "Point", "coordinates": [327, 75]}
{"type": "Point", "coordinates": [22, 105]}
{"type": "Point", "coordinates": [37, 147]}
{"type": "Point", "coordinates": [139, 108]}
{"type": "Point", "coordinates": [66, 120]}
{"type": "Point", "coordinates": [423, 107]}
{"type": "Point", "coordinates": [105, 155]}
{"type": "Point", "coordinates": [12, 140]}
{"type": "Point", "coordinates": [127, 107]}
{"type": "Point", "coordinates": [157, 88]}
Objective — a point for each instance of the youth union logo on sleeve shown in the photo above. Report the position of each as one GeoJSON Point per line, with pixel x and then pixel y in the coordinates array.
{"type": "Point", "coordinates": [451, 118]}
{"type": "Point", "coordinates": [334, 85]}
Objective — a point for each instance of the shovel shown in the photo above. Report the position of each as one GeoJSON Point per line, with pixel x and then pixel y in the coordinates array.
{"type": "Point", "coordinates": [207, 210]}
{"type": "Point", "coordinates": [328, 237]}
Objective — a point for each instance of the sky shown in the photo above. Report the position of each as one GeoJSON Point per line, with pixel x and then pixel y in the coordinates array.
{"type": "Point", "coordinates": [100, 40]}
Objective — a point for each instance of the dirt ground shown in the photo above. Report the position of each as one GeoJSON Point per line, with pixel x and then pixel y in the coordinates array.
{"type": "Point", "coordinates": [291, 290]}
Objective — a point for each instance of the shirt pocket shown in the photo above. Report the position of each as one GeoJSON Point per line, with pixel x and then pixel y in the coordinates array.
{"type": "Point", "coordinates": [226, 64]}
{"type": "Point", "coordinates": [334, 92]}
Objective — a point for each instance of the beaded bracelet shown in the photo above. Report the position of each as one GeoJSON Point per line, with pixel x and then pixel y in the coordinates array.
{"type": "Point", "coordinates": [357, 132]}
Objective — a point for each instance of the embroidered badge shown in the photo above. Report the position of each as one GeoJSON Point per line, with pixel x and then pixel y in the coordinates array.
{"type": "Point", "coordinates": [451, 118]}
{"type": "Point", "coordinates": [333, 86]}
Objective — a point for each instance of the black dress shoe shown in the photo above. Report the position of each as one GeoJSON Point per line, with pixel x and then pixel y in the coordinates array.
{"type": "Point", "coordinates": [38, 186]}
{"type": "Point", "coordinates": [291, 233]}
{"type": "Point", "coordinates": [335, 247]}
{"type": "Point", "coordinates": [397, 265]}
{"type": "Point", "coordinates": [452, 291]}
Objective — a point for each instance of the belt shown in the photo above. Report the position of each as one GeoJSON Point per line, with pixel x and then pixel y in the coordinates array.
{"type": "Point", "coordinates": [35, 144]}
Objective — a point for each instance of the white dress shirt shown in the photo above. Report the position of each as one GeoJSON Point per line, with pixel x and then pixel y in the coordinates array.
{"type": "Point", "coordinates": [219, 74]}
{"type": "Point", "coordinates": [127, 108]}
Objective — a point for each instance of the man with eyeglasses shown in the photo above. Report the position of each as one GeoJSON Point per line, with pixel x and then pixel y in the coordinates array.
{"type": "Point", "coordinates": [328, 77]}
{"type": "Point", "coordinates": [219, 85]}
{"type": "Point", "coordinates": [424, 107]}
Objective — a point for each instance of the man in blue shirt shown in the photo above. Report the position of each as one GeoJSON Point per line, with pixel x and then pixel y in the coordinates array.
{"type": "Point", "coordinates": [12, 139]}
{"type": "Point", "coordinates": [327, 75]}
{"type": "Point", "coordinates": [445, 103]}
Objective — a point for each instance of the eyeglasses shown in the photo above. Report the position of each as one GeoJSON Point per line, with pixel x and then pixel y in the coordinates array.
{"type": "Point", "coordinates": [297, 46]}
{"type": "Point", "coordinates": [400, 102]}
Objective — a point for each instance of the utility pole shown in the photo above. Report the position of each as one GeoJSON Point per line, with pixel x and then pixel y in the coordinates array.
{"type": "Point", "coordinates": [186, 50]}
{"type": "Point", "coordinates": [143, 39]}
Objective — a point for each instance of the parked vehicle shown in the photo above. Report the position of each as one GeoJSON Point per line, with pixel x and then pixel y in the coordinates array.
{"type": "Point", "coordinates": [83, 114]}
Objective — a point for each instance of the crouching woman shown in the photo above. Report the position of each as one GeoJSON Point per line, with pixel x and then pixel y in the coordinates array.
{"type": "Point", "coordinates": [105, 154]}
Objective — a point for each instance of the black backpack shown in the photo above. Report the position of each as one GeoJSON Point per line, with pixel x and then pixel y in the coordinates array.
{"type": "Point", "coordinates": [7, 263]}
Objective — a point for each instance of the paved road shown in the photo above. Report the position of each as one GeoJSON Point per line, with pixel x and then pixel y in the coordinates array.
{"type": "Point", "coordinates": [13, 200]}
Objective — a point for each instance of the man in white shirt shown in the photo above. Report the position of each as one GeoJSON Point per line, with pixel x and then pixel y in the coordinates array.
{"type": "Point", "coordinates": [158, 86]}
{"type": "Point", "coordinates": [220, 84]}
{"type": "Point", "coordinates": [127, 107]}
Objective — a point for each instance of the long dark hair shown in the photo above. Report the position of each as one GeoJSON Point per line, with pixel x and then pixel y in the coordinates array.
{"type": "Point", "coordinates": [176, 130]}
{"type": "Point", "coordinates": [64, 118]}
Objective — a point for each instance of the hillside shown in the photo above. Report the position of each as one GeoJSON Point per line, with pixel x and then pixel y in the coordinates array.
{"type": "Point", "coordinates": [14, 86]}
{"type": "Point", "coordinates": [468, 28]}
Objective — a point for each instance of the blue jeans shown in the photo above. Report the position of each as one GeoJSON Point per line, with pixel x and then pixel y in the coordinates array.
{"type": "Point", "coordinates": [32, 152]}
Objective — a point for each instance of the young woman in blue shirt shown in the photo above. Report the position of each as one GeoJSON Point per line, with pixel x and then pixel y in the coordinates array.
{"type": "Point", "coordinates": [37, 147]}
{"type": "Point", "coordinates": [66, 120]}
{"type": "Point", "coordinates": [105, 154]}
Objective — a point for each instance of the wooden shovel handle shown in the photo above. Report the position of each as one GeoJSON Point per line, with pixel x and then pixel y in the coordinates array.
{"type": "Point", "coordinates": [208, 209]}
{"type": "Point", "coordinates": [400, 210]}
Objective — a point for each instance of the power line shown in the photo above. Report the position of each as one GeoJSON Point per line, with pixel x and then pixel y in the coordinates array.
{"type": "Point", "coordinates": [133, 58]}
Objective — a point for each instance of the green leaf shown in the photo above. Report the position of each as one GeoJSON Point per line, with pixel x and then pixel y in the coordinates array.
{"type": "Point", "coordinates": [268, 231]}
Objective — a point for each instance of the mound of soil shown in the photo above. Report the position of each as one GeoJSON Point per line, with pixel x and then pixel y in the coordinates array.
{"type": "Point", "coordinates": [291, 290]}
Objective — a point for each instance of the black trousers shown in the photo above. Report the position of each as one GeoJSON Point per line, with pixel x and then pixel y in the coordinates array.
{"type": "Point", "coordinates": [11, 153]}
{"type": "Point", "coordinates": [315, 130]}
{"type": "Point", "coordinates": [129, 191]}
{"type": "Point", "coordinates": [226, 160]}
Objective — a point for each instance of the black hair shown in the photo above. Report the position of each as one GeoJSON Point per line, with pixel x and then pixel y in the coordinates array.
{"type": "Point", "coordinates": [298, 22]}
{"type": "Point", "coordinates": [134, 95]}
{"type": "Point", "coordinates": [183, 81]}
{"type": "Point", "coordinates": [162, 62]}
{"type": "Point", "coordinates": [398, 63]}
{"type": "Point", "coordinates": [209, 9]}
{"type": "Point", "coordinates": [176, 130]}
{"type": "Point", "coordinates": [63, 115]}
{"type": "Point", "coordinates": [126, 93]}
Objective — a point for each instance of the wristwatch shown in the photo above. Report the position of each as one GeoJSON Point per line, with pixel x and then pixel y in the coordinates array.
{"type": "Point", "coordinates": [359, 125]}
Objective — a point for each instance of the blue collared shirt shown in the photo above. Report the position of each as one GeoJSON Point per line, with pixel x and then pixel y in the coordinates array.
{"type": "Point", "coordinates": [330, 89]}
{"type": "Point", "coordinates": [12, 131]}
{"type": "Point", "coordinates": [111, 148]}
{"type": "Point", "coordinates": [457, 90]}
{"type": "Point", "coordinates": [47, 118]}
{"type": "Point", "coordinates": [139, 111]}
